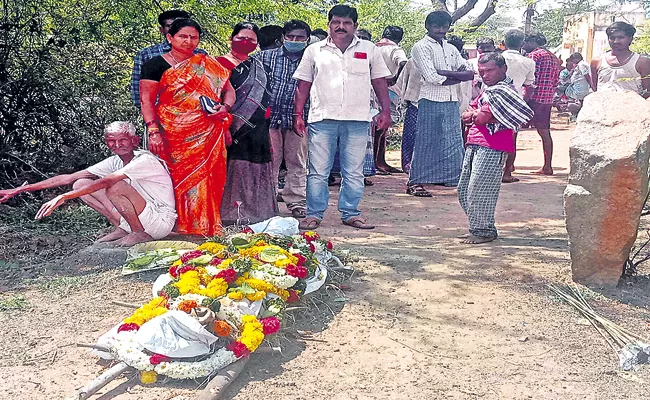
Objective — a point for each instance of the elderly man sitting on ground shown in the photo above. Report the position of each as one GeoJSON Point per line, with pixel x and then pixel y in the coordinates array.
{"type": "Point", "coordinates": [131, 188]}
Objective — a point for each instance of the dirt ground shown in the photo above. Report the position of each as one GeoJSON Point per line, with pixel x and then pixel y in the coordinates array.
{"type": "Point", "coordinates": [425, 317]}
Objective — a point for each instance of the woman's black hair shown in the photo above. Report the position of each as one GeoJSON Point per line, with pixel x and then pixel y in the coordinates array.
{"type": "Point", "coordinates": [245, 25]}
{"type": "Point", "coordinates": [181, 23]}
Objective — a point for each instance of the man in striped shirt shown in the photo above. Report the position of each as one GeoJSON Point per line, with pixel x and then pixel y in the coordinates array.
{"type": "Point", "coordinates": [285, 142]}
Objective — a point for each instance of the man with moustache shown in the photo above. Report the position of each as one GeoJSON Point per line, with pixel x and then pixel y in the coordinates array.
{"type": "Point", "coordinates": [337, 75]}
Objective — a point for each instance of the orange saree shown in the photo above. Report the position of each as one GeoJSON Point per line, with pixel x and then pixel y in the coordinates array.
{"type": "Point", "coordinates": [197, 149]}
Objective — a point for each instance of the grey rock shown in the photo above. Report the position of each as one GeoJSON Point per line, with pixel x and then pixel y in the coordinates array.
{"type": "Point", "coordinates": [608, 184]}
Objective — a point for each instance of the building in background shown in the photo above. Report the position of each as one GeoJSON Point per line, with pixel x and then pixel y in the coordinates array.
{"type": "Point", "coordinates": [585, 33]}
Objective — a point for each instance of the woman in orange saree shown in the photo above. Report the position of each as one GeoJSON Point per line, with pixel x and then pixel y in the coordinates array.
{"type": "Point", "coordinates": [188, 126]}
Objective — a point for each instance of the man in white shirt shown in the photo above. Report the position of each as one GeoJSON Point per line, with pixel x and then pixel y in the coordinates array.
{"type": "Point", "coordinates": [395, 59]}
{"type": "Point", "coordinates": [521, 70]}
{"type": "Point", "coordinates": [438, 152]}
{"type": "Point", "coordinates": [337, 75]}
{"type": "Point", "coordinates": [132, 189]}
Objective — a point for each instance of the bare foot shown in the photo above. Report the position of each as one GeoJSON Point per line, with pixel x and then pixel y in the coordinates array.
{"type": "Point", "coordinates": [133, 238]}
{"type": "Point", "coordinates": [118, 233]}
{"type": "Point", "coordinates": [509, 179]}
{"type": "Point", "coordinates": [543, 171]}
{"type": "Point", "coordinates": [472, 239]}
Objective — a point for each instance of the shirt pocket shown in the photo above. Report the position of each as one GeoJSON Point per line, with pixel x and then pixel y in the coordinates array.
{"type": "Point", "coordinates": [358, 66]}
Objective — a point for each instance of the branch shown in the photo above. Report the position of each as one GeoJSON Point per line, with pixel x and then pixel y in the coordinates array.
{"type": "Point", "coordinates": [439, 5]}
{"type": "Point", "coordinates": [464, 10]}
{"type": "Point", "coordinates": [487, 13]}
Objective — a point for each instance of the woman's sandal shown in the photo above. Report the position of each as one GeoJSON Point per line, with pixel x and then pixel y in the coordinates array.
{"type": "Point", "coordinates": [417, 191]}
{"type": "Point", "coordinates": [309, 224]}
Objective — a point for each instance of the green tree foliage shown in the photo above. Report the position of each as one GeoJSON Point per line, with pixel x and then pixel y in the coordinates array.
{"type": "Point", "coordinates": [65, 66]}
{"type": "Point", "coordinates": [641, 43]}
{"type": "Point", "coordinates": [551, 22]}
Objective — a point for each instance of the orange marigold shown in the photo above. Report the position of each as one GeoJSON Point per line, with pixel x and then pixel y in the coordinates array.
{"type": "Point", "coordinates": [221, 328]}
{"type": "Point", "coordinates": [187, 305]}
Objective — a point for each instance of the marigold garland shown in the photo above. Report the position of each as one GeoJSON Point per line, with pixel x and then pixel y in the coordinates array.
{"type": "Point", "coordinates": [189, 282]}
{"type": "Point", "coordinates": [148, 377]}
{"type": "Point", "coordinates": [252, 332]}
{"type": "Point", "coordinates": [263, 286]}
{"type": "Point", "coordinates": [147, 312]}
{"type": "Point", "coordinates": [222, 328]}
{"type": "Point", "coordinates": [216, 249]}
{"type": "Point", "coordinates": [216, 288]}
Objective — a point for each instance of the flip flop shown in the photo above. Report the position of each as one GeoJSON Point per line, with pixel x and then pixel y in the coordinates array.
{"type": "Point", "coordinates": [298, 213]}
{"type": "Point", "coordinates": [418, 191]}
{"type": "Point", "coordinates": [358, 222]}
{"type": "Point", "coordinates": [309, 224]}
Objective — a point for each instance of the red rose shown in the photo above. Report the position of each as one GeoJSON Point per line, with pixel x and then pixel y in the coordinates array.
{"type": "Point", "coordinates": [229, 275]}
{"type": "Point", "coordinates": [301, 259]}
{"type": "Point", "coordinates": [128, 327]}
{"type": "Point", "coordinates": [239, 349]}
{"type": "Point", "coordinates": [158, 358]}
{"type": "Point", "coordinates": [296, 271]}
{"type": "Point", "coordinates": [187, 256]}
{"type": "Point", "coordinates": [293, 296]}
{"type": "Point", "coordinates": [173, 271]}
{"type": "Point", "coordinates": [312, 247]}
{"type": "Point", "coordinates": [329, 246]}
{"type": "Point", "coordinates": [271, 325]}
{"type": "Point", "coordinates": [184, 269]}
{"type": "Point", "coordinates": [247, 230]}
{"type": "Point", "coordinates": [216, 261]}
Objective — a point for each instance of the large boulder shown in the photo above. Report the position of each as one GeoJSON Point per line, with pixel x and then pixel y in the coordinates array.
{"type": "Point", "coordinates": [608, 184]}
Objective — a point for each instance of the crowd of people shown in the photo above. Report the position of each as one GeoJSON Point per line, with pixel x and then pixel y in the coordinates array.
{"type": "Point", "coordinates": [227, 137]}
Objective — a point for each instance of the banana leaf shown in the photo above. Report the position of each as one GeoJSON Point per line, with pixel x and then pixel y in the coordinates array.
{"type": "Point", "coordinates": [154, 255]}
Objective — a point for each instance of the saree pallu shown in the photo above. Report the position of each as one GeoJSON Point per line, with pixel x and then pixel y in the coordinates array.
{"type": "Point", "coordinates": [197, 149]}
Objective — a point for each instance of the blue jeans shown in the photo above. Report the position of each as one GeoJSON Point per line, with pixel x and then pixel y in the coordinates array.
{"type": "Point", "coordinates": [323, 137]}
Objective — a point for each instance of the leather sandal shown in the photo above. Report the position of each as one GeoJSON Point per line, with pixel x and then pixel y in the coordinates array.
{"type": "Point", "coordinates": [309, 224]}
{"type": "Point", "coordinates": [358, 222]}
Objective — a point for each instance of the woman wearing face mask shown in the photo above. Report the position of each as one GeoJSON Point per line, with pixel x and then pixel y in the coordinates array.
{"type": "Point", "coordinates": [249, 195]}
{"type": "Point", "coordinates": [185, 99]}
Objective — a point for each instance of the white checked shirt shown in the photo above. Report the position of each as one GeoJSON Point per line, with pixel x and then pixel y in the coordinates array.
{"type": "Point", "coordinates": [430, 56]}
{"type": "Point", "coordinates": [341, 80]}
{"type": "Point", "coordinates": [521, 69]}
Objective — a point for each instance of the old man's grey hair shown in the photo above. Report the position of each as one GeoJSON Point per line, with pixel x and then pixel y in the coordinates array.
{"type": "Point", "coordinates": [120, 127]}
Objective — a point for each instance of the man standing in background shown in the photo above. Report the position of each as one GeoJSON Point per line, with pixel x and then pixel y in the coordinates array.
{"type": "Point", "coordinates": [285, 142]}
{"type": "Point", "coordinates": [547, 71]}
{"type": "Point", "coordinates": [521, 70]}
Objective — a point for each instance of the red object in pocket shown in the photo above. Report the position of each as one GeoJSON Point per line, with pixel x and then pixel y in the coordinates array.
{"type": "Point", "coordinates": [361, 55]}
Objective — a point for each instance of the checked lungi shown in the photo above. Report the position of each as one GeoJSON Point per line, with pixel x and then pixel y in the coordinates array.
{"type": "Point", "coordinates": [408, 136]}
{"type": "Point", "coordinates": [478, 188]}
{"type": "Point", "coordinates": [438, 152]}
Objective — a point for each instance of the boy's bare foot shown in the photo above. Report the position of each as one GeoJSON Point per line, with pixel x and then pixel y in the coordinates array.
{"type": "Point", "coordinates": [118, 233]}
{"type": "Point", "coordinates": [509, 179]}
{"type": "Point", "coordinates": [133, 238]}
{"type": "Point", "coordinates": [472, 239]}
{"type": "Point", "coordinates": [543, 171]}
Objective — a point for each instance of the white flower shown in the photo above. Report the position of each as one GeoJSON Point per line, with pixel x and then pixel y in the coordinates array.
{"type": "Point", "coordinates": [283, 282]}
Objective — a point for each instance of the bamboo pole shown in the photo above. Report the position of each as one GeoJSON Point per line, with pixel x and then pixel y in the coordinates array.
{"type": "Point", "coordinates": [222, 380]}
{"type": "Point", "coordinates": [101, 381]}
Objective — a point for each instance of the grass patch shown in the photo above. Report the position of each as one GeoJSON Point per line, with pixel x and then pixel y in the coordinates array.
{"type": "Point", "coordinates": [65, 285]}
{"type": "Point", "coordinates": [13, 303]}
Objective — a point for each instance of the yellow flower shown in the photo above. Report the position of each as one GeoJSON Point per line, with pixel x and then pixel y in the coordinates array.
{"type": "Point", "coordinates": [177, 263]}
{"type": "Point", "coordinates": [189, 283]}
{"type": "Point", "coordinates": [204, 276]}
{"type": "Point", "coordinates": [236, 295]}
{"type": "Point", "coordinates": [216, 288]}
{"type": "Point", "coordinates": [212, 247]}
{"type": "Point", "coordinates": [225, 263]}
{"type": "Point", "coordinates": [148, 377]}
{"type": "Point", "coordinates": [251, 251]}
{"type": "Point", "coordinates": [148, 311]}
{"type": "Point", "coordinates": [264, 286]}
{"type": "Point", "coordinates": [258, 295]}
{"type": "Point", "coordinates": [252, 332]}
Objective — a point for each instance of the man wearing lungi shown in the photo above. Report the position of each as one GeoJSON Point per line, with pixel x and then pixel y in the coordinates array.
{"type": "Point", "coordinates": [438, 153]}
{"type": "Point", "coordinates": [495, 115]}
